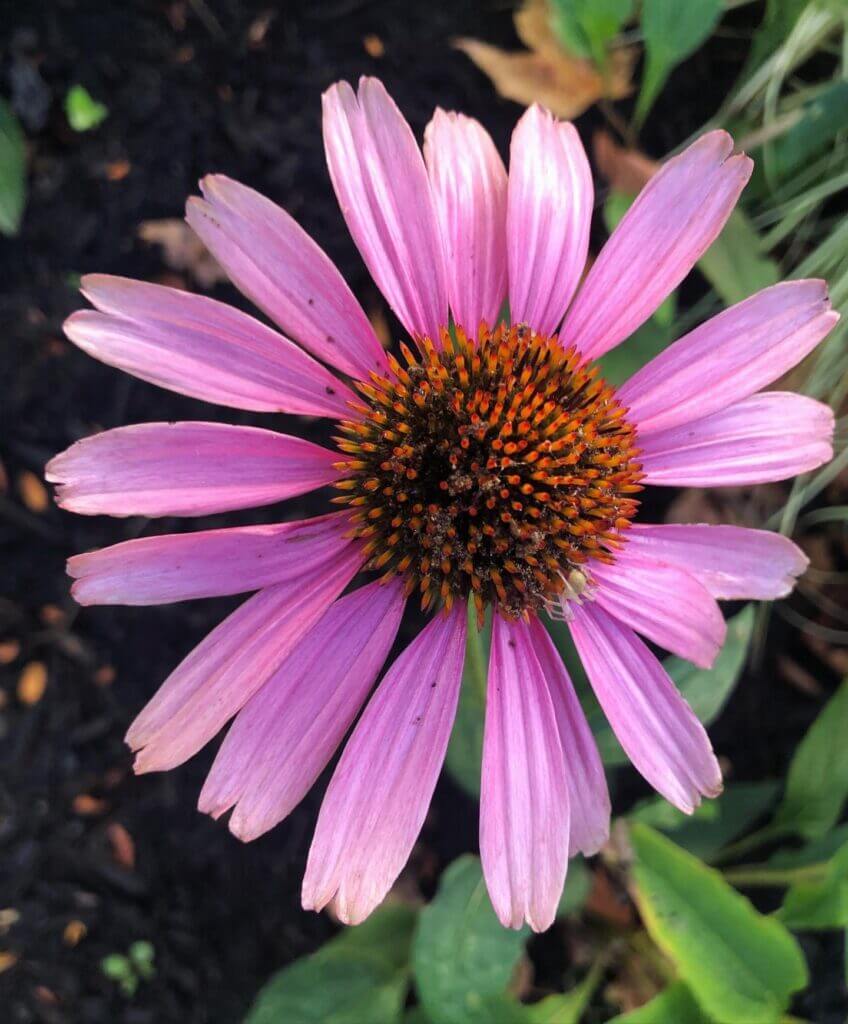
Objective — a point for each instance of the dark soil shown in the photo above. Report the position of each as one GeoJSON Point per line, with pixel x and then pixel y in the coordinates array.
{"type": "Point", "coordinates": [194, 86]}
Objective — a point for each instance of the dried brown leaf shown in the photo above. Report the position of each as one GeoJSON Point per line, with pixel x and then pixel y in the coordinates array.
{"type": "Point", "coordinates": [627, 170]}
{"type": "Point", "coordinates": [182, 249]}
{"type": "Point", "coordinates": [546, 73]}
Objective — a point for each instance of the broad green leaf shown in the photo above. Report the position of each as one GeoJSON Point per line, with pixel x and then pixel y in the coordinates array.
{"type": "Point", "coordinates": [462, 956]}
{"type": "Point", "coordinates": [674, 1005]}
{"type": "Point", "coordinates": [735, 264]}
{"type": "Point", "coordinates": [672, 31]}
{"type": "Point", "coordinates": [588, 26]}
{"type": "Point", "coordinates": [362, 974]}
{"type": "Point", "coordinates": [817, 785]}
{"type": "Point", "coordinates": [819, 904]}
{"type": "Point", "coordinates": [706, 689]}
{"type": "Point", "coordinates": [82, 110]}
{"type": "Point", "coordinates": [821, 120]}
{"type": "Point", "coordinates": [12, 171]}
{"type": "Point", "coordinates": [577, 886]}
{"type": "Point", "coordinates": [715, 823]}
{"type": "Point", "coordinates": [465, 749]}
{"type": "Point", "coordinates": [741, 966]}
{"type": "Point", "coordinates": [569, 1007]}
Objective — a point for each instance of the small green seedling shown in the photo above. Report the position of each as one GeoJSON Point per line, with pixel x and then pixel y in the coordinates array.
{"type": "Point", "coordinates": [130, 970]}
{"type": "Point", "coordinates": [82, 110]}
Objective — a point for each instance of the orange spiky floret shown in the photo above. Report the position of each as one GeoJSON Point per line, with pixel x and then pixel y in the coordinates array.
{"type": "Point", "coordinates": [493, 468]}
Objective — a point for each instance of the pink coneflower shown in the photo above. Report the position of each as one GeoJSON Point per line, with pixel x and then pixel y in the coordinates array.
{"type": "Point", "coordinates": [488, 463]}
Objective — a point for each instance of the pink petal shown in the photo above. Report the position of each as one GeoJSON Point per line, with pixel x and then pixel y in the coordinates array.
{"type": "Point", "coordinates": [468, 179]}
{"type": "Point", "coordinates": [524, 812]}
{"type": "Point", "coordinates": [769, 436]}
{"type": "Point", "coordinates": [185, 469]}
{"type": "Point", "coordinates": [732, 562]}
{"type": "Point", "coordinates": [668, 228]}
{"type": "Point", "coordinates": [548, 220]}
{"type": "Point", "coordinates": [588, 796]}
{"type": "Point", "coordinates": [729, 357]}
{"type": "Point", "coordinates": [283, 738]}
{"type": "Point", "coordinates": [202, 348]}
{"type": "Point", "coordinates": [224, 671]}
{"type": "Point", "coordinates": [181, 566]}
{"type": "Point", "coordinates": [271, 259]}
{"type": "Point", "coordinates": [384, 194]}
{"type": "Point", "coordinates": [657, 728]}
{"type": "Point", "coordinates": [663, 603]}
{"type": "Point", "coordinates": [379, 794]}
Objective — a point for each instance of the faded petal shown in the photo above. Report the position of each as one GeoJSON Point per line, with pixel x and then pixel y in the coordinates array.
{"type": "Point", "coordinates": [548, 220]}
{"type": "Point", "coordinates": [524, 807]}
{"type": "Point", "coordinates": [469, 186]}
{"type": "Point", "coordinates": [224, 671]}
{"type": "Point", "coordinates": [729, 357]}
{"type": "Point", "coordinates": [185, 469]}
{"type": "Point", "coordinates": [588, 796]}
{"type": "Point", "coordinates": [663, 603]}
{"type": "Point", "coordinates": [271, 259]}
{"type": "Point", "coordinates": [732, 562]}
{"type": "Point", "coordinates": [770, 436]}
{"type": "Point", "coordinates": [283, 738]}
{"type": "Point", "coordinates": [181, 566]}
{"type": "Point", "coordinates": [379, 794]}
{"type": "Point", "coordinates": [199, 347]}
{"type": "Point", "coordinates": [672, 223]}
{"type": "Point", "coordinates": [384, 193]}
{"type": "Point", "coordinates": [656, 727]}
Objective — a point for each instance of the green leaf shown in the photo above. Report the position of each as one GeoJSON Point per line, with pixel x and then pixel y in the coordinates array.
{"type": "Point", "coordinates": [142, 955]}
{"type": "Point", "coordinates": [715, 823]}
{"type": "Point", "coordinates": [360, 975]}
{"type": "Point", "coordinates": [779, 20]}
{"type": "Point", "coordinates": [674, 1005]}
{"type": "Point", "coordinates": [577, 886]}
{"type": "Point", "coordinates": [735, 264]}
{"type": "Point", "coordinates": [742, 967]}
{"type": "Point", "coordinates": [817, 785]}
{"type": "Point", "coordinates": [587, 27]}
{"type": "Point", "coordinates": [12, 171]}
{"type": "Point", "coordinates": [706, 689]}
{"type": "Point", "coordinates": [465, 749]}
{"type": "Point", "coordinates": [672, 31]}
{"type": "Point", "coordinates": [821, 120]}
{"type": "Point", "coordinates": [631, 355]}
{"type": "Point", "coordinates": [819, 904]}
{"type": "Point", "coordinates": [811, 853]}
{"type": "Point", "coordinates": [82, 110]}
{"type": "Point", "coordinates": [461, 955]}
{"type": "Point", "coordinates": [569, 1007]}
